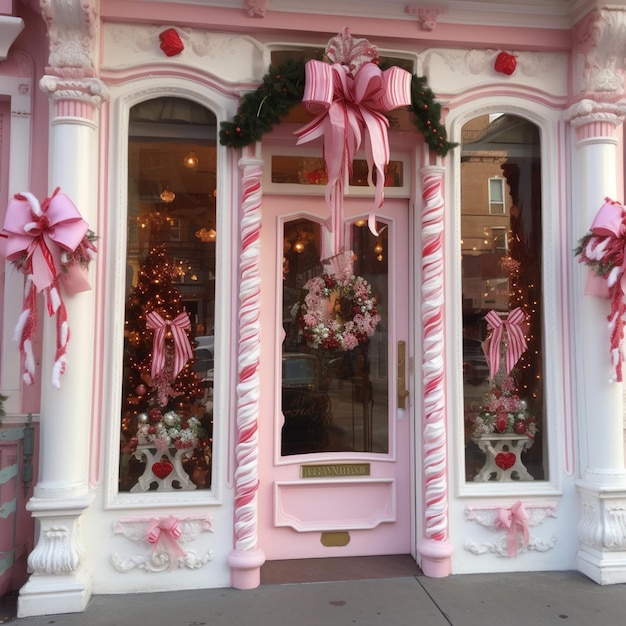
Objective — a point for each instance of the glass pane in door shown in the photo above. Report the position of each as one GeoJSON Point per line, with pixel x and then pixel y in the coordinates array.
{"type": "Point", "coordinates": [333, 400]}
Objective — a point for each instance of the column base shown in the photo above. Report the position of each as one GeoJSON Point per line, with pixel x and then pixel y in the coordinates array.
{"type": "Point", "coordinates": [45, 594]}
{"type": "Point", "coordinates": [436, 558]}
{"type": "Point", "coordinates": [59, 583]}
{"type": "Point", "coordinates": [245, 568]}
{"type": "Point", "coordinates": [602, 532]}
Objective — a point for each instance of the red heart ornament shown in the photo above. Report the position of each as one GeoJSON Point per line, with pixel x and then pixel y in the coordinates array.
{"type": "Point", "coordinates": [162, 469]}
{"type": "Point", "coordinates": [505, 460]}
{"type": "Point", "coordinates": [505, 63]}
{"type": "Point", "coordinates": [171, 43]}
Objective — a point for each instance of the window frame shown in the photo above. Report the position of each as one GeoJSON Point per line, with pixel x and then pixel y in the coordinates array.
{"type": "Point", "coordinates": [557, 366]}
{"type": "Point", "coordinates": [123, 98]}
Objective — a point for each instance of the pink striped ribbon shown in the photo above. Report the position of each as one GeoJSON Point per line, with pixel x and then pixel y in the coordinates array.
{"type": "Point", "coordinates": [515, 340]}
{"type": "Point", "coordinates": [350, 112]}
{"type": "Point", "coordinates": [182, 347]}
{"type": "Point", "coordinates": [514, 520]}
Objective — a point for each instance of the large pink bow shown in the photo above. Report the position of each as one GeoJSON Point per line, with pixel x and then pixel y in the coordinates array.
{"type": "Point", "coordinates": [42, 233]}
{"type": "Point", "coordinates": [514, 520]}
{"type": "Point", "coordinates": [515, 340]}
{"type": "Point", "coordinates": [182, 347]}
{"type": "Point", "coordinates": [165, 533]}
{"type": "Point", "coordinates": [352, 112]}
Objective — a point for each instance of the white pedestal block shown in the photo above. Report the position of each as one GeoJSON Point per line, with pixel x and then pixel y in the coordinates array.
{"type": "Point", "coordinates": [504, 457]}
{"type": "Point", "coordinates": [164, 472]}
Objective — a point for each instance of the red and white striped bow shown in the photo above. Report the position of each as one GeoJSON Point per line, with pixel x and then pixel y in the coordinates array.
{"type": "Point", "coordinates": [515, 340]}
{"type": "Point", "coordinates": [182, 347]}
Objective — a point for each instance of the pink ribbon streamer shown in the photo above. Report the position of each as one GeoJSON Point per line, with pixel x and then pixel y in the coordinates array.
{"type": "Point", "coordinates": [37, 237]}
{"type": "Point", "coordinates": [351, 112]}
{"type": "Point", "coordinates": [609, 242]}
{"type": "Point", "coordinates": [514, 519]}
{"type": "Point", "coordinates": [182, 347]}
{"type": "Point", "coordinates": [164, 533]}
{"type": "Point", "coordinates": [515, 340]}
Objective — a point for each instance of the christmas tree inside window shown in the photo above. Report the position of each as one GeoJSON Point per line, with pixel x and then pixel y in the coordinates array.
{"type": "Point", "coordinates": [167, 387]}
{"type": "Point", "coordinates": [501, 251]}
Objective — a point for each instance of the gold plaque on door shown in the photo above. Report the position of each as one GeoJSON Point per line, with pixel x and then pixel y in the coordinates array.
{"type": "Point", "coordinates": [337, 539]}
{"type": "Point", "coordinates": [335, 470]}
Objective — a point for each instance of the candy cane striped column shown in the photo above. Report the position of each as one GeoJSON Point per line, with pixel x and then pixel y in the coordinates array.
{"type": "Point", "coordinates": [434, 547]}
{"type": "Point", "coordinates": [246, 558]}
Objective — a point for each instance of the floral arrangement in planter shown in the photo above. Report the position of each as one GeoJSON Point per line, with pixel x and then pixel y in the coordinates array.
{"type": "Point", "coordinates": [168, 430]}
{"type": "Point", "coordinates": [338, 312]}
{"type": "Point", "coordinates": [504, 412]}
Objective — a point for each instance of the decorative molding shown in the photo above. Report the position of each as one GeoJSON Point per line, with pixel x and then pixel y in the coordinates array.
{"type": "Point", "coordinates": [602, 524]}
{"type": "Point", "coordinates": [72, 31]}
{"type": "Point", "coordinates": [427, 16]}
{"type": "Point", "coordinates": [256, 8]}
{"type": "Point", "coordinates": [155, 559]}
{"type": "Point", "coordinates": [487, 517]}
{"type": "Point", "coordinates": [600, 38]}
{"type": "Point", "coordinates": [58, 550]}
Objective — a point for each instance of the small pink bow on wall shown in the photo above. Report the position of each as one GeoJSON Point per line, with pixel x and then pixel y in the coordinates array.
{"type": "Point", "coordinates": [603, 249]}
{"type": "Point", "coordinates": [46, 241]}
{"type": "Point", "coordinates": [351, 101]}
{"type": "Point", "coordinates": [514, 520]}
{"type": "Point", "coordinates": [515, 340]}
{"type": "Point", "coordinates": [182, 347]}
{"type": "Point", "coordinates": [164, 533]}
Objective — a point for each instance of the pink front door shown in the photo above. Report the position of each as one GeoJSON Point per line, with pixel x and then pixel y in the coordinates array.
{"type": "Point", "coordinates": [335, 444]}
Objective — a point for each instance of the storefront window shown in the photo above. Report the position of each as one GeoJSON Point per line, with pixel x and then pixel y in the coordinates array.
{"type": "Point", "coordinates": [167, 386]}
{"type": "Point", "coordinates": [505, 430]}
{"type": "Point", "coordinates": [334, 400]}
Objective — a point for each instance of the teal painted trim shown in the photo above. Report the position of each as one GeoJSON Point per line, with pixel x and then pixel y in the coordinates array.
{"type": "Point", "coordinates": [7, 473]}
{"type": "Point", "coordinates": [12, 434]}
{"type": "Point", "coordinates": [6, 562]}
{"type": "Point", "coordinates": [7, 508]}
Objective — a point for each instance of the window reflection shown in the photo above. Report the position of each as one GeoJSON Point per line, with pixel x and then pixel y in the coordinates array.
{"type": "Point", "coordinates": [167, 408]}
{"type": "Point", "coordinates": [333, 400]}
{"type": "Point", "coordinates": [501, 271]}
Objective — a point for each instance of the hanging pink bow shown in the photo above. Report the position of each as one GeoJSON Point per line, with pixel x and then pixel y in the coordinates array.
{"type": "Point", "coordinates": [182, 347]}
{"type": "Point", "coordinates": [604, 250]}
{"type": "Point", "coordinates": [351, 112]}
{"type": "Point", "coordinates": [42, 232]}
{"type": "Point", "coordinates": [38, 236]}
{"type": "Point", "coordinates": [515, 340]}
{"type": "Point", "coordinates": [514, 520]}
{"type": "Point", "coordinates": [164, 533]}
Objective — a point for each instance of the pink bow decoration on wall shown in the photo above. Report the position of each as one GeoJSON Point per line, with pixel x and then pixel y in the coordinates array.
{"type": "Point", "coordinates": [351, 99]}
{"type": "Point", "coordinates": [164, 533]}
{"type": "Point", "coordinates": [182, 347]}
{"type": "Point", "coordinates": [41, 237]}
{"type": "Point", "coordinates": [515, 339]}
{"type": "Point", "coordinates": [603, 249]}
{"type": "Point", "coordinates": [514, 519]}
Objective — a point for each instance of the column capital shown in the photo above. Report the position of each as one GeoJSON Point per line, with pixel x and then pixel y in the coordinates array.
{"type": "Point", "coordinates": [71, 77]}
{"type": "Point", "coordinates": [592, 118]}
{"type": "Point", "coordinates": [600, 54]}
{"type": "Point", "coordinates": [74, 96]}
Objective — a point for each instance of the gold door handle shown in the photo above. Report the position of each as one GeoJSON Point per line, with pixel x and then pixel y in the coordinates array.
{"type": "Point", "coordinates": [403, 392]}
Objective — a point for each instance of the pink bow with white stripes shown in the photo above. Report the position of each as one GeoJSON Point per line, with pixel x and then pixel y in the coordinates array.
{"type": "Point", "coordinates": [182, 347]}
{"type": "Point", "coordinates": [38, 236]}
{"type": "Point", "coordinates": [351, 111]}
{"type": "Point", "coordinates": [515, 340]}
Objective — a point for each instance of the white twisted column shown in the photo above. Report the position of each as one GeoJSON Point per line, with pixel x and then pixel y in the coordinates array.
{"type": "Point", "coordinates": [246, 558]}
{"type": "Point", "coordinates": [434, 547]}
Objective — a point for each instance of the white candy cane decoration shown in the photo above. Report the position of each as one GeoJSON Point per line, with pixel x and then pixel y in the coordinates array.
{"type": "Point", "coordinates": [246, 451]}
{"type": "Point", "coordinates": [434, 436]}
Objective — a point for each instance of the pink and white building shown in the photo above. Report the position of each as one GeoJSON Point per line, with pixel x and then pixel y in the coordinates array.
{"type": "Point", "coordinates": [307, 452]}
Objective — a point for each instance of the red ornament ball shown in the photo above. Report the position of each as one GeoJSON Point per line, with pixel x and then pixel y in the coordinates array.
{"type": "Point", "coordinates": [171, 43]}
{"type": "Point", "coordinates": [505, 63]}
{"type": "Point", "coordinates": [141, 390]}
{"type": "Point", "coordinates": [155, 415]}
{"type": "Point", "coordinates": [519, 428]}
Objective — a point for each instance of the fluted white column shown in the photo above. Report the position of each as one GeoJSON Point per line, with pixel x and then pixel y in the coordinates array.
{"type": "Point", "coordinates": [602, 527]}
{"type": "Point", "coordinates": [59, 582]}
